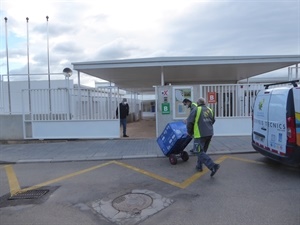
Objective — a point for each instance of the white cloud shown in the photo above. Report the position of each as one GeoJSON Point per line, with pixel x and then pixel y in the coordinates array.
{"type": "Point", "coordinates": [116, 29]}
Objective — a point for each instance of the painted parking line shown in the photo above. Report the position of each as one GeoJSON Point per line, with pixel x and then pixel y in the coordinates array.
{"type": "Point", "coordinates": [147, 173]}
{"type": "Point", "coordinates": [245, 160]}
{"type": "Point", "coordinates": [13, 182]}
{"type": "Point", "coordinates": [15, 187]}
{"type": "Point", "coordinates": [262, 163]}
{"type": "Point", "coordinates": [196, 176]}
{"type": "Point", "coordinates": [182, 185]}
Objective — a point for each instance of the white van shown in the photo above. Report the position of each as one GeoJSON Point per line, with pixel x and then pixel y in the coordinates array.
{"type": "Point", "coordinates": [276, 123]}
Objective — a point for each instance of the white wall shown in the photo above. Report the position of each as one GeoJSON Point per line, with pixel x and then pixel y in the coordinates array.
{"type": "Point", "coordinates": [233, 126]}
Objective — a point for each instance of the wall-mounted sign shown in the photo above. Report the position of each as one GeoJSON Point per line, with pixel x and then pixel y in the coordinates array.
{"type": "Point", "coordinates": [212, 97]}
{"type": "Point", "coordinates": [165, 92]}
{"type": "Point", "coordinates": [165, 108]}
{"type": "Point", "coordinates": [180, 93]}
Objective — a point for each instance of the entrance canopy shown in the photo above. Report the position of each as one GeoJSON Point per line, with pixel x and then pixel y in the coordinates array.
{"type": "Point", "coordinates": [142, 74]}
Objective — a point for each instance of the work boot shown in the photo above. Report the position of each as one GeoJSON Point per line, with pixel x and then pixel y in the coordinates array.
{"type": "Point", "coordinates": [214, 169]}
{"type": "Point", "coordinates": [125, 135]}
{"type": "Point", "coordinates": [199, 169]}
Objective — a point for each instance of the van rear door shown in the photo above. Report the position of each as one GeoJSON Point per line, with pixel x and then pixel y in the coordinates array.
{"type": "Point", "coordinates": [277, 124]}
{"type": "Point", "coordinates": [260, 118]}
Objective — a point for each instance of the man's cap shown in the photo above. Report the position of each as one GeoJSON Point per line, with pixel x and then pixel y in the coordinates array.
{"type": "Point", "coordinates": [186, 100]}
{"type": "Point", "coordinates": [124, 99]}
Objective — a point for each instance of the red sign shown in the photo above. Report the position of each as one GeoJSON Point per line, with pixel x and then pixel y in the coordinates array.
{"type": "Point", "coordinates": [211, 97]}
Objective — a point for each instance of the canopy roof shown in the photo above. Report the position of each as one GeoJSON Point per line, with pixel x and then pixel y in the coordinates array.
{"type": "Point", "coordinates": [144, 73]}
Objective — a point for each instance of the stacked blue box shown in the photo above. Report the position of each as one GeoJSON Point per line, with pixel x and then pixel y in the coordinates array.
{"type": "Point", "coordinates": [174, 138]}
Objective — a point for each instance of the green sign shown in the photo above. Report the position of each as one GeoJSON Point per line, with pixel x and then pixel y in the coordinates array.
{"type": "Point", "coordinates": [165, 108]}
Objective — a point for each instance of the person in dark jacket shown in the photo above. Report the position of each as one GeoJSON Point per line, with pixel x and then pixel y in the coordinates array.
{"type": "Point", "coordinates": [189, 104]}
{"type": "Point", "coordinates": [124, 112]}
{"type": "Point", "coordinates": [200, 125]}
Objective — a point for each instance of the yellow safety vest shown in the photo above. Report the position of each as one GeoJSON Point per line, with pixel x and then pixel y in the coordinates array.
{"type": "Point", "coordinates": [197, 133]}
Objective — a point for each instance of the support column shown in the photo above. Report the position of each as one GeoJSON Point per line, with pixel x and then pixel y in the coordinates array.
{"type": "Point", "coordinates": [162, 78]}
{"type": "Point", "coordinates": [79, 95]}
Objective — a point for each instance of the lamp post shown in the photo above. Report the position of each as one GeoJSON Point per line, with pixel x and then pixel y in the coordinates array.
{"type": "Point", "coordinates": [7, 65]}
{"type": "Point", "coordinates": [49, 83]}
{"type": "Point", "coordinates": [29, 89]}
{"type": "Point", "coordinates": [68, 73]}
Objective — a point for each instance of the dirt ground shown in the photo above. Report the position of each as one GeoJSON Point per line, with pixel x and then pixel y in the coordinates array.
{"type": "Point", "coordinates": [145, 128]}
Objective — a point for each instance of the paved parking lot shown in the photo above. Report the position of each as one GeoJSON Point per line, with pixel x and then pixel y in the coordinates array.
{"type": "Point", "coordinates": [248, 189]}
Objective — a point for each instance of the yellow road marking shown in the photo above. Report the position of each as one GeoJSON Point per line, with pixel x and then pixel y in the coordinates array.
{"type": "Point", "coordinates": [64, 177]}
{"type": "Point", "coordinates": [153, 175]}
{"type": "Point", "coordinates": [182, 185]}
{"type": "Point", "coordinates": [245, 160]}
{"type": "Point", "coordinates": [196, 176]}
{"type": "Point", "coordinates": [193, 178]}
{"type": "Point", "coordinates": [12, 180]}
{"type": "Point", "coordinates": [15, 187]}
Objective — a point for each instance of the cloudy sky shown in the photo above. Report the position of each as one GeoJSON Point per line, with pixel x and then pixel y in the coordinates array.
{"type": "Point", "coordinates": [94, 30]}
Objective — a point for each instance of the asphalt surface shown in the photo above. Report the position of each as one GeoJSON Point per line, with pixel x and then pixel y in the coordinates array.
{"type": "Point", "coordinates": [248, 189]}
{"type": "Point", "coordinates": [114, 149]}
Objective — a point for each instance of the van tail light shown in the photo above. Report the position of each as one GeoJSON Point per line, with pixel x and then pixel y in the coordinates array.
{"type": "Point", "coordinates": [291, 130]}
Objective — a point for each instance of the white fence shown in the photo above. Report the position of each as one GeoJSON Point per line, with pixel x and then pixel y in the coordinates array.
{"type": "Point", "coordinates": [232, 100]}
{"type": "Point", "coordinates": [61, 112]}
{"type": "Point", "coordinates": [70, 113]}
{"type": "Point", "coordinates": [70, 104]}
{"type": "Point", "coordinates": [231, 103]}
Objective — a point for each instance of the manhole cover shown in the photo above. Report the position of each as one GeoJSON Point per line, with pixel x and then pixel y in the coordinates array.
{"type": "Point", "coordinates": [133, 203]}
{"type": "Point", "coordinates": [131, 207]}
{"type": "Point", "coordinates": [32, 194]}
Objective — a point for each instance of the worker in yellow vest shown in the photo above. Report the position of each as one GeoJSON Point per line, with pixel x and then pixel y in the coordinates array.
{"type": "Point", "coordinates": [189, 104]}
{"type": "Point", "coordinates": [200, 126]}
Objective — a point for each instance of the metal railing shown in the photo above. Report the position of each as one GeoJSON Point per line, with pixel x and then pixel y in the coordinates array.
{"type": "Point", "coordinates": [70, 104]}
{"type": "Point", "coordinates": [232, 100]}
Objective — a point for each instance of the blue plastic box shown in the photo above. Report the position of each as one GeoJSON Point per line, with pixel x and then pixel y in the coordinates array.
{"type": "Point", "coordinates": [174, 138]}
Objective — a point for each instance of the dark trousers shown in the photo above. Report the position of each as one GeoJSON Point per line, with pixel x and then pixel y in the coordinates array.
{"type": "Point", "coordinates": [202, 146]}
{"type": "Point", "coordinates": [123, 122]}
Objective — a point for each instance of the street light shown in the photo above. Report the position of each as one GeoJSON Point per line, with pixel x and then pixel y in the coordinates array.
{"type": "Point", "coordinates": [68, 72]}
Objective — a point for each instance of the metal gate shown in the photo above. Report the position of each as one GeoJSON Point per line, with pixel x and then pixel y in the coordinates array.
{"type": "Point", "coordinates": [70, 113]}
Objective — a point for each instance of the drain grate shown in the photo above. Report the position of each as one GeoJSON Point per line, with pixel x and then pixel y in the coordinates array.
{"type": "Point", "coordinates": [31, 194]}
